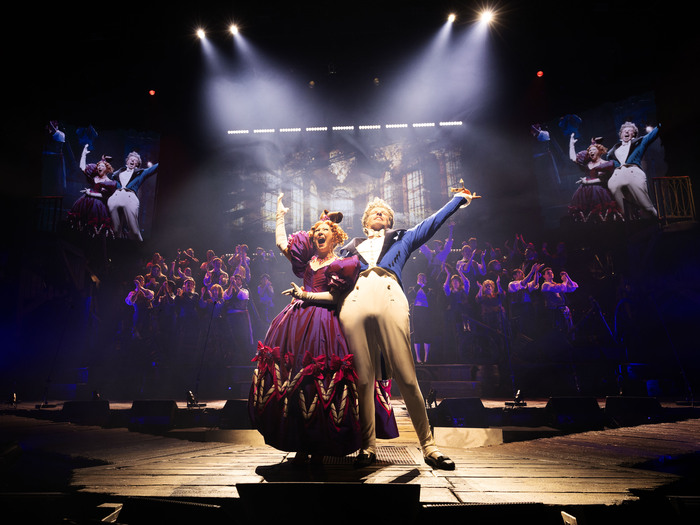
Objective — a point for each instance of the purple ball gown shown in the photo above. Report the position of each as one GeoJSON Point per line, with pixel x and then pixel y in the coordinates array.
{"type": "Point", "coordinates": [593, 202]}
{"type": "Point", "coordinates": [90, 214]}
{"type": "Point", "coordinates": [304, 392]}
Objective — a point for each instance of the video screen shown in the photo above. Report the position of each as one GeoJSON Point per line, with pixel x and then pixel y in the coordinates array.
{"type": "Point", "coordinates": [101, 182]}
{"type": "Point", "coordinates": [582, 171]}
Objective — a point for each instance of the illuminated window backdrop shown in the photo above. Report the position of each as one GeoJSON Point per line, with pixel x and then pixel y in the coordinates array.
{"type": "Point", "coordinates": [412, 172]}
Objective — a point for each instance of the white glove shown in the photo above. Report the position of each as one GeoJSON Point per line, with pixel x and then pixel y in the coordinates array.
{"type": "Point", "coordinates": [313, 297]}
{"type": "Point", "coordinates": [280, 232]}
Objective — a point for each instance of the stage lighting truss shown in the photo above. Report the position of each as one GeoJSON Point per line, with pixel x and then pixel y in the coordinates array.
{"type": "Point", "coordinates": [363, 127]}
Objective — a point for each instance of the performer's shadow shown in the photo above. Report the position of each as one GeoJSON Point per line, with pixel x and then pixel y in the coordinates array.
{"type": "Point", "coordinates": [331, 470]}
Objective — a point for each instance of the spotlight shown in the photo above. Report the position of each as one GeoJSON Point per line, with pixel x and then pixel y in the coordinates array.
{"type": "Point", "coordinates": [233, 29]}
{"type": "Point", "coordinates": [540, 73]}
{"type": "Point", "coordinates": [487, 16]}
{"type": "Point", "coordinates": [451, 17]}
{"type": "Point", "coordinates": [431, 399]}
{"type": "Point", "coordinates": [568, 519]}
{"type": "Point", "coordinates": [517, 401]}
{"type": "Point", "coordinates": [192, 401]}
{"type": "Point", "coordinates": [200, 33]}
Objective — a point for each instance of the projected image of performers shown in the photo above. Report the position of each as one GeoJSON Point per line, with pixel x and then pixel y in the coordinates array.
{"type": "Point", "coordinates": [118, 202]}
{"type": "Point", "coordinates": [621, 158]}
{"type": "Point", "coordinates": [124, 202]}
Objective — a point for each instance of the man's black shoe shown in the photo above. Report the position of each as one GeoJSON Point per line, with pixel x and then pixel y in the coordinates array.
{"type": "Point", "coordinates": [440, 462]}
{"type": "Point", "coordinates": [365, 459]}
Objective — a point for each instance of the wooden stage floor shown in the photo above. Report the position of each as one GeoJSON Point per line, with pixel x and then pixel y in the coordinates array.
{"type": "Point", "coordinates": [646, 472]}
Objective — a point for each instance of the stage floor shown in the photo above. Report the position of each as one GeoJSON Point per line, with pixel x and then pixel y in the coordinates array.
{"type": "Point", "coordinates": [611, 469]}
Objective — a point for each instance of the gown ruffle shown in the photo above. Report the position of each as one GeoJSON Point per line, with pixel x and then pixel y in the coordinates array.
{"type": "Point", "coordinates": [304, 392]}
{"type": "Point", "coordinates": [90, 214]}
{"type": "Point", "coordinates": [593, 202]}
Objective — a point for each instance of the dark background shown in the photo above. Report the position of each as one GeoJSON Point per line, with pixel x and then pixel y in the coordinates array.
{"type": "Point", "coordinates": [95, 63]}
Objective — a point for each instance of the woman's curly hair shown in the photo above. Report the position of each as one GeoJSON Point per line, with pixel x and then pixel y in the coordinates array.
{"type": "Point", "coordinates": [331, 219]}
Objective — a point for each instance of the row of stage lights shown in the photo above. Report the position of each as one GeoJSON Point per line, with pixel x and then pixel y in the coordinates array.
{"type": "Point", "coordinates": [486, 16]}
{"type": "Point", "coordinates": [364, 127]}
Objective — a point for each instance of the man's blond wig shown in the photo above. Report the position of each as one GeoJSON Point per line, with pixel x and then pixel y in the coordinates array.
{"type": "Point", "coordinates": [378, 203]}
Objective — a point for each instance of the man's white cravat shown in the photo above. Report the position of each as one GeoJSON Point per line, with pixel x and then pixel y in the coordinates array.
{"type": "Point", "coordinates": [372, 247]}
{"type": "Point", "coordinates": [622, 152]}
{"type": "Point", "coordinates": [125, 177]}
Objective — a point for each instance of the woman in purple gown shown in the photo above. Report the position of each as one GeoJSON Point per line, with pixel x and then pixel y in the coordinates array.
{"type": "Point", "coordinates": [90, 213]}
{"type": "Point", "coordinates": [592, 201]}
{"type": "Point", "coordinates": [304, 393]}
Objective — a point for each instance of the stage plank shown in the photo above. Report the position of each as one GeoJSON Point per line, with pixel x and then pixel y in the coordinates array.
{"type": "Point", "coordinates": [590, 468]}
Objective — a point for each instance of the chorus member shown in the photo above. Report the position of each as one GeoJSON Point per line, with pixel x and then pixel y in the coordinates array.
{"type": "Point", "coordinates": [456, 288]}
{"type": "Point", "coordinates": [207, 264]}
{"type": "Point", "coordinates": [217, 274]}
{"type": "Point", "coordinates": [422, 304]}
{"type": "Point", "coordinates": [473, 263]}
{"type": "Point", "coordinates": [240, 259]}
{"type": "Point", "coordinates": [521, 305]}
{"type": "Point", "coordinates": [217, 344]}
{"type": "Point", "coordinates": [553, 293]}
{"type": "Point", "coordinates": [266, 298]}
{"type": "Point", "coordinates": [141, 299]}
{"type": "Point", "coordinates": [437, 256]}
{"type": "Point", "coordinates": [154, 279]}
{"type": "Point", "coordinates": [165, 317]}
{"type": "Point", "coordinates": [237, 297]}
{"type": "Point", "coordinates": [490, 299]}
{"type": "Point", "coordinates": [187, 330]}
{"type": "Point", "coordinates": [158, 259]}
